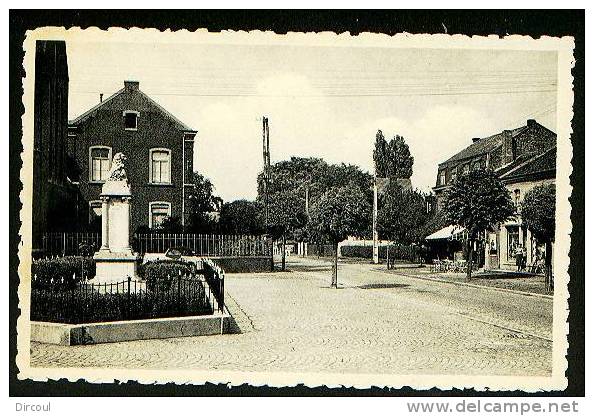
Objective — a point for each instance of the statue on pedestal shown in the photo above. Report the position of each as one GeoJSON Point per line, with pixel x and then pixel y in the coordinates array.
{"type": "Point", "coordinates": [115, 260]}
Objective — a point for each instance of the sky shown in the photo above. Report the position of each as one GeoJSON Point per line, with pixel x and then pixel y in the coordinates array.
{"type": "Point", "coordinates": [321, 101]}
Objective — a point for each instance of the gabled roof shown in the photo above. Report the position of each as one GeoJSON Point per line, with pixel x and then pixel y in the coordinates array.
{"type": "Point", "coordinates": [483, 146]}
{"type": "Point", "coordinates": [542, 165]}
{"type": "Point", "coordinates": [94, 109]}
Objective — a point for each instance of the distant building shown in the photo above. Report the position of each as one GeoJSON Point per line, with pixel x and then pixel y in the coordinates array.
{"type": "Point", "coordinates": [522, 158]}
{"type": "Point", "coordinates": [159, 148]}
{"type": "Point", "coordinates": [53, 196]}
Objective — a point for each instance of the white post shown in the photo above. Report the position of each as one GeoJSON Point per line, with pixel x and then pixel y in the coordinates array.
{"type": "Point", "coordinates": [375, 235]}
{"type": "Point", "coordinates": [126, 222]}
{"type": "Point", "coordinates": [104, 223]}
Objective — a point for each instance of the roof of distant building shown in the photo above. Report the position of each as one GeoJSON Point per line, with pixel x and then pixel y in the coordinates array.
{"type": "Point", "coordinates": [542, 165]}
{"type": "Point", "coordinates": [483, 145]}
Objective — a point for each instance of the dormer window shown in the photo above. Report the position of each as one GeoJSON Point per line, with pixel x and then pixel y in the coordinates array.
{"type": "Point", "coordinates": [131, 120]}
{"type": "Point", "coordinates": [442, 177]}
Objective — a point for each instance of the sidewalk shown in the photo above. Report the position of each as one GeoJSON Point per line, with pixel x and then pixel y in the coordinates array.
{"type": "Point", "coordinates": [530, 284]}
{"type": "Point", "coordinates": [520, 282]}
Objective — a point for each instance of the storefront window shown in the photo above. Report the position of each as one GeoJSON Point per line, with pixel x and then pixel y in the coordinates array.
{"type": "Point", "coordinates": [513, 239]}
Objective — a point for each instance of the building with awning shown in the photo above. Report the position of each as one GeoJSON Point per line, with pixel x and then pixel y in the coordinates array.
{"type": "Point", "coordinates": [447, 242]}
{"type": "Point", "coordinates": [451, 232]}
{"type": "Point", "coordinates": [522, 158]}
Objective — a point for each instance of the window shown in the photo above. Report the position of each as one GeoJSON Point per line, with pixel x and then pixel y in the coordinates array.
{"type": "Point", "coordinates": [454, 174]}
{"type": "Point", "coordinates": [160, 169]}
{"type": "Point", "coordinates": [476, 165]}
{"type": "Point", "coordinates": [513, 239]}
{"type": "Point", "coordinates": [99, 163]}
{"type": "Point", "coordinates": [442, 178]}
{"type": "Point", "coordinates": [131, 120]}
{"type": "Point", "coordinates": [466, 169]}
{"type": "Point", "coordinates": [517, 197]}
{"type": "Point", "coordinates": [158, 211]}
{"type": "Point", "coordinates": [95, 211]}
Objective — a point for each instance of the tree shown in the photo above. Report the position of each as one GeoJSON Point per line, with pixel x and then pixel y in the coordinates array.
{"type": "Point", "coordinates": [306, 176]}
{"type": "Point", "coordinates": [402, 215]}
{"type": "Point", "coordinates": [340, 212]}
{"type": "Point", "coordinates": [286, 213]}
{"type": "Point", "coordinates": [242, 217]}
{"type": "Point", "coordinates": [538, 213]}
{"type": "Point", "coordinates": [392, 159]}
{"type": "Point", "coordinates": [201, 203]}
{"type": "Point", "coordinates": [477, 201]}
{"type": "Point", "coordinates": [171, 225]}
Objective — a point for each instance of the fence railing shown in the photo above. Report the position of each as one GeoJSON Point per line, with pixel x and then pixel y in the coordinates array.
{"type": "Point", "coordinates": [209, 245]}
{"type": "Point", "coordinates": [215, 277]}
{"type": "Point", "coordinates": [70, 244]}
{"type": "Point", "coordinates": [85, 302]}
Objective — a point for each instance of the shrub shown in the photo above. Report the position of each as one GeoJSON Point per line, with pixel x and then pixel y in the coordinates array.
{"type": "Point", "coordinates": [162, 272]}
{"type": "Point", "coordinates": [67, 271]}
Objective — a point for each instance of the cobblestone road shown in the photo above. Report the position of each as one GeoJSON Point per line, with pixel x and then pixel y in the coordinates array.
{"type": "Point", "coordinates": [374, 323]}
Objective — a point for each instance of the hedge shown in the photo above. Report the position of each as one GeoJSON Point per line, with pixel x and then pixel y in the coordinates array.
{"type": "Point", "coordinates": [67, 271]}
{"type": "Point", "coordinates": [397, 252]}
{"type": "Point", "coordinates": [85, 305]}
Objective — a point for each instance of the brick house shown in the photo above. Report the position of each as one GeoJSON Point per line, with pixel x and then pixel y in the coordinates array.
{"type": "Point", "coordinates": [520, 178]}
{"type": "Point", "coordinates": [159, 149]}
{"type": "Point", "coordinates": [523, 158]}
{"type": "Point", "coordinates": [53, 204]}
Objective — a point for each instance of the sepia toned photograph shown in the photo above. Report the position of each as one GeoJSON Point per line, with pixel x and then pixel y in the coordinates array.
{"type": "Point", "coordinates": [309, 208]}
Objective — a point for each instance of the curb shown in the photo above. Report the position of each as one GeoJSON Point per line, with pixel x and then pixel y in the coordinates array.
{"type": "Point", "coordinates": [498, 289]}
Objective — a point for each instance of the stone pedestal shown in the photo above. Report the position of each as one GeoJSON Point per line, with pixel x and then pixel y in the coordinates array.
{"type": "Point", "coordinates": [115, 260]}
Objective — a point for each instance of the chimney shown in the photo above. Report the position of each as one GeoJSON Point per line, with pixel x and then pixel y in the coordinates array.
{"type": "Point", "coordinates": [101, 97]}
{"type": "Point", "coordinates": [531, 122]}
{"type": "Point", "coordinates": [508, 147]}
{"type": "Point", "coordinates": [131, 86]}
{"type": "Point", "coordinates": [475, 139]}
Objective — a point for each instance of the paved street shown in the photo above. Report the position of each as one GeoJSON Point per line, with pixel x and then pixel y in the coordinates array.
{"type": "Point", "coordinates": [376, 322]}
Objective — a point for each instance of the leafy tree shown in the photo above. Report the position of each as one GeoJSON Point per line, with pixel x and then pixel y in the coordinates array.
{"type": "Point", "coordinates": [286, 213]}
{"type": "Point", "coordinates": [242, 217]}
{"type": "Point", "coordinates": [392, 159]}
{"type": "Point", "coordinates": [402, 215]}
{"type": "Point", "coordinates": [340, 212]}
{"type": "Point", "coordinates": [201, 203]}
{"type": "Point", "coordinates": [171, 225]}
{"type": "Point", "coordinates": [312, 177]}
{"type": "Point", "coordinates": [477, 201]}
{"type": "Point", "coordinates": [316, 175]}
{"type": "Point", "coordinates": [538, 213]}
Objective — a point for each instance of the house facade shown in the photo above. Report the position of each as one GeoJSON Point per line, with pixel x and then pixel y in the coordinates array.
{"type": "Point", "coordinates": [523, 158]}
{"type": "Point", "coordinates": [521, 178]}
{"type": "Point", "coordinates": [159, 150]}
{"type": "Point", "coordinates": [53, 206]}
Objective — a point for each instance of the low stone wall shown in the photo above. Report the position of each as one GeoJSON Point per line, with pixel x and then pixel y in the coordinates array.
{"type": "Point", "coordinates": [104, 332]}
{"type": "Point", "coordinates": [244, 264]}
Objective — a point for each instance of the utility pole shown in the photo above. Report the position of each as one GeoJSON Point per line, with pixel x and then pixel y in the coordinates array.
{"type": "Point", "coordinates": [266, 157]}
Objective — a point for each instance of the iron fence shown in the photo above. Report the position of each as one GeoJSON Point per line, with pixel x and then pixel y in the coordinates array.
{"type": "Point", "coordinates": [85, 302]}
{"type": "Point", "coordinates": [70, 244]}
{"type": "Point", "coordinates": [209, 245]}
{"type": "Point", "coordinates": [215, 277]}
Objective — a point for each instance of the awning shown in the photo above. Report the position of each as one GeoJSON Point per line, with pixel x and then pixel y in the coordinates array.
{"type": "Point", "coordinates": [447, 233]}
